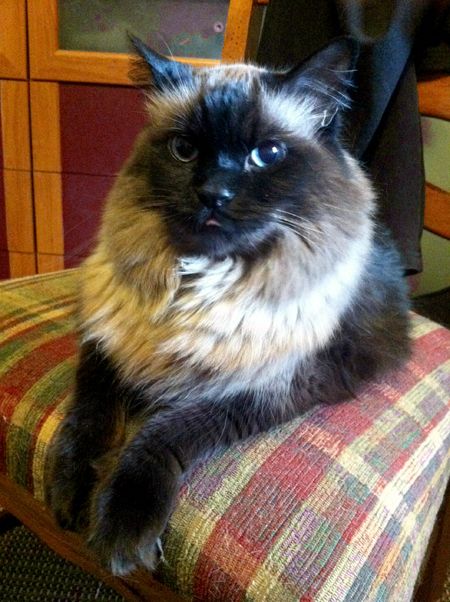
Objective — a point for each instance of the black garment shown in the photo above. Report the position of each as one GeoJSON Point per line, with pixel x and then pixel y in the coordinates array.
{"type": "Point", "coordinates": [384, 125]}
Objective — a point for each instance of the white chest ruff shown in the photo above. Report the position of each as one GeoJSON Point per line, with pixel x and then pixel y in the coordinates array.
{"type": "Point", "coordinates": [264, 328]}
{"type": "Point", "coordinates": [234, 331]}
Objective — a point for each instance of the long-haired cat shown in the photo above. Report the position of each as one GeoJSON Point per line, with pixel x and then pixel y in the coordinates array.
{"type": "Point", "coordinates": [239, 278]}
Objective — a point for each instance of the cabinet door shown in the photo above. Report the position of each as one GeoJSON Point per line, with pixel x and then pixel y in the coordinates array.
{"type": "Point", "coordinates": [81, 134]}
{"type": "Point", "coordinates": [16, 208]}
{"type": "Point", "coordinates": [13, 51]}
{"type": "Point", "coordinates": [74, 40]}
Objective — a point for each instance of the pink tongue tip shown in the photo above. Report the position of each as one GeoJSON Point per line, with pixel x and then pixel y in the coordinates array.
{"type": "Point", "coordinates": [212, 222]}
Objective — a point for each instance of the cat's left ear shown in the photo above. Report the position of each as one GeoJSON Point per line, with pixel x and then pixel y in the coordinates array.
{"type": "Point", "coordinates": [153, 70]}
{"type": "Point", "coordinates": [326, 77]}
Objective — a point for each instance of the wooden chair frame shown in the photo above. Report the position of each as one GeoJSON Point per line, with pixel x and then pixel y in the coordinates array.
{"type": "Point", "coordinates": [434, 101]}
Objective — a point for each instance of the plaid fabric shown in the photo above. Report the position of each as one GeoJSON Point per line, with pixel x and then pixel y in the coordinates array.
{"type": "Point", "coordinates": [336, 506]}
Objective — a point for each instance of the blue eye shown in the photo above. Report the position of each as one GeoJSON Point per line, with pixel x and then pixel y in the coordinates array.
{"type": "Point", "coordinates": [182, 149]}
{"type": "Point", "coordinates": [267, 153]}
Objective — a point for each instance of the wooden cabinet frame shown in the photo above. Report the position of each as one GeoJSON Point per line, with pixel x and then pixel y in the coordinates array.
{"type": "Point", "coordinates": [13, 41]}
{"type": "Point", "coordinates": [47, 179]}
{"type": "Point", "coordinates": [15, 134]}
{"type": "Point", "coordinates": [49, 62]}
{"type": "Point", "coordinates": [17, 177]}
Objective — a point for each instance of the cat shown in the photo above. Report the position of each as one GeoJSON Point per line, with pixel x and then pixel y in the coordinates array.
{"type": "Point", "coordinates": [240, 277]}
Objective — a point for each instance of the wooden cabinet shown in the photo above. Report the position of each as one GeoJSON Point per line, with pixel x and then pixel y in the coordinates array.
{"type": "Point", "coordinates": [69, 114]}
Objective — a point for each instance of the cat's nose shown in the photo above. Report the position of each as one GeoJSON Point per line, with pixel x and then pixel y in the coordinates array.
{"type": "Point", "coordinates": [213, 196]}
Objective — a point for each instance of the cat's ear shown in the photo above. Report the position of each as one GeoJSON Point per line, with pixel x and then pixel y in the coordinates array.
{"type": "Point", "coordinates": [326, 77]}
{"type": "Point", "coordinates": [153, 70]}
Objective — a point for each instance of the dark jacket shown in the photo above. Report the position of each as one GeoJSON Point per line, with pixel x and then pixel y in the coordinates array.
{"type": "Point", "coordinates": [384, 125]}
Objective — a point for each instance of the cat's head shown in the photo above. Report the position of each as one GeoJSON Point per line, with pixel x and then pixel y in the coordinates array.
{"type": "Point", "coordinates": [237, 155]}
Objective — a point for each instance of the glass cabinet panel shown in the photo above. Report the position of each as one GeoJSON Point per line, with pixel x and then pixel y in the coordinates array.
{"type": "Point", "coordinates": [187, 28]}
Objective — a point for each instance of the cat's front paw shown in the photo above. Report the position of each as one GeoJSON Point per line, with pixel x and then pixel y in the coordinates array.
{"type": "Point", "coordinates": [129, 513]}
{"type": "Point", "coordinates": [121, 554]}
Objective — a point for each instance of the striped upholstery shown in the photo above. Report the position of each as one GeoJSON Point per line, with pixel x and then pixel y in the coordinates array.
{"type": "Point", "coordinates": [338, 505]}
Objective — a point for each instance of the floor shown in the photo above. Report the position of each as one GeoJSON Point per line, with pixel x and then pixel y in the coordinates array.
{"type": "Point", "coordinates": [31, 572]}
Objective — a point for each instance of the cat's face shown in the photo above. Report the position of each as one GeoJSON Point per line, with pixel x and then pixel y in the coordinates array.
{"type": "Point", "coordinates": [236, 155]}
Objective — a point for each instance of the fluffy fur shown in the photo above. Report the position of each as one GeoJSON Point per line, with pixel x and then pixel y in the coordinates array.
{"type": "Point", "coordinates": [226, 295]}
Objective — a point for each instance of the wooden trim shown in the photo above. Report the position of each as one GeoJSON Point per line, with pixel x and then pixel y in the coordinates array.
{"type": "Point", "coordinates": [433, 573]}
{"type": "Point", "coordinates": [236, 32]}
{"type": "Point", "coordinates": [22, 264]}
{"type": "Point", "coordinates": [48, 62]}
{"type": "Point", "coordinates": [33, 514]}
{"type": "Point", "coordinates": [45, 126]}
{"type": "Point", "coordinates": [19, 210]}
{"type": "Point", "coordinates": [42, 34]}
{"type": "Point", "coordinates": [437, 210]}
{"type": "Point", "coordinates": [15, 124]}
{"type": "Point", "coordinates": [441, 559]}
{"type": "Point", "coordinates": [49, 263]}
{"type": "Point", "coordinates": [95, 67]}
{"type": "Point", "coordinates": [13, 40]}
{"type": "Point", "coordinates": [434, 97]}
{"type": "Point", "coordinates": [48, 212]}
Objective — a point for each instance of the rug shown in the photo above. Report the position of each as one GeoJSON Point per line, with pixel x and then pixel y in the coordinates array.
{"type": "Point", "coordinates": [31, 572]}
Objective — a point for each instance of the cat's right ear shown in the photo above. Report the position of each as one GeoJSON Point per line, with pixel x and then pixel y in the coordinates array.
{"type": "Point", "coordinates": [329, 72]}
{"type": "Point", "coordinates": [326, 78]}
{"type": "Point", "coordinates": [151, 70]}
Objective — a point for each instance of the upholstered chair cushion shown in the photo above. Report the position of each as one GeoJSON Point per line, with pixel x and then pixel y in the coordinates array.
{"type": "Point", "coordinates": [337, 505]}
